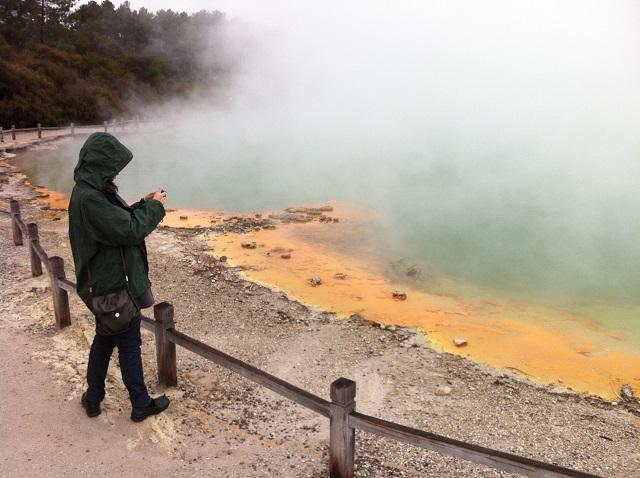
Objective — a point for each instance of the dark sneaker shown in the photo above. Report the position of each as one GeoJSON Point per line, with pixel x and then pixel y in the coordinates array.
{"type": "Point", "coordinates": [92, 409]}
{"type": "Point", "coordinates": [157, 405]}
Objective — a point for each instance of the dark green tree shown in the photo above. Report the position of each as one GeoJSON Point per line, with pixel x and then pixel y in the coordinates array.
{"type": "Point", "coordinates": [86, 64]}
{"type": "Point", "coordinates": [19, 20]}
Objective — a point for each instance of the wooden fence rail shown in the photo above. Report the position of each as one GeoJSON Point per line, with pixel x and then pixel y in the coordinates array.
{"type": "Point", "coordinates": [341, 410]}
{"type": "Point", "coordinates": [69, 130]}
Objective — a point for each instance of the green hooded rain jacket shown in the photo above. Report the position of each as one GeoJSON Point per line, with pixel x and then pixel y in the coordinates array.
{"type": "Point", "coordinates": [101, 224]}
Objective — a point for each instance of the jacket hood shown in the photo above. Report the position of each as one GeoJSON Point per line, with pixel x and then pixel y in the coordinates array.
{"type": "Point", "coordinates": [102, 157]}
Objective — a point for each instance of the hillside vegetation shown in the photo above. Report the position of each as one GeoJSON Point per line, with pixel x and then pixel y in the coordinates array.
{"type": "Point", "coordinates": [97, 62]}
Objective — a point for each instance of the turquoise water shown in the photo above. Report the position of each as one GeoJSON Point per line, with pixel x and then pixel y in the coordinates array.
{"type": "Point", "coordinates": [562, 234]}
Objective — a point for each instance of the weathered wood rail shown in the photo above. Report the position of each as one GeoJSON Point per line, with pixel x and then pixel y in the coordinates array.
{"type": "Point", "coordinates": [69, 130]}
{"type": "Point", "coordinates": [341, 410]}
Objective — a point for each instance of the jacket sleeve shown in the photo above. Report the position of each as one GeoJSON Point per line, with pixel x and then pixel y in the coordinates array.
{"type": "Point", "coordinates": [114, 226]}
{"type": "Point", "coordinates": [137, 203]}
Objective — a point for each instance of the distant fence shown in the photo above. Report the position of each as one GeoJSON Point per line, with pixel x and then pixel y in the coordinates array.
{"type": "Point", "coordinates": [341, 410]}
{"type": "Point", "coordinates": [69, 130]}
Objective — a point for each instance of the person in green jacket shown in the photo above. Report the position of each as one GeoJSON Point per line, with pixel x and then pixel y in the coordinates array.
{"type": "Point", "coordinates": [107, 241]}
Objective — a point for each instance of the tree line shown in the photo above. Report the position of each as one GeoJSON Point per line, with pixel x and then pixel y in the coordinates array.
{"type": "Point", "coordinates": [95, 62]}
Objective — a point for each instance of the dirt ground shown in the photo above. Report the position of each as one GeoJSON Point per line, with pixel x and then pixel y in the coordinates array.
{"type": "Point", "coordinates": [221, 425]}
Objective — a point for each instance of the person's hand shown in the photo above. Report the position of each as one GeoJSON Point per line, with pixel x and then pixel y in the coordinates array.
{"type": "Point", "coordinates": [159, 195]}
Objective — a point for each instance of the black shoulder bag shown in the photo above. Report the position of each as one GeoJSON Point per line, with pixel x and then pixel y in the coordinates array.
{"type": "Point", "coordinates": [115, 313]}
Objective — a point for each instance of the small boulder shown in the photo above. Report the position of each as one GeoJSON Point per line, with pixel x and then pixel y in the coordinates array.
{"type": "Point", "coordinates": [314, 281]}
{"type": "Point", "coordinates": [443, 390]}
{"type": "Point", "coordinates": [297, 210]}
{"type": "Point", "coordinates": [290, 217]}
{"type": "Point", "coordinates": [626, 392]}
{"type": "Point", "coordinates": [399, 295]}
{"type": "Point", "coordinates": [248, 245]}
{"type": "Point", "coordinates": [340, 276]}
{"type": "Point", "coordinates": [285, 255]}
{"type": "Point", "coordinates": [184, 218]}
{"type": "Point", "coordinates": [459, 342]}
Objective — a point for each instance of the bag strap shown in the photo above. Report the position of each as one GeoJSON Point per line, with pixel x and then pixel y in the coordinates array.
{"type": "Point", "coordinates": [126, 280]}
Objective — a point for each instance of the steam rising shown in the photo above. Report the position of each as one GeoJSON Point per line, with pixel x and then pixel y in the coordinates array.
{"type": "Point", "coordinates": [499, 139]}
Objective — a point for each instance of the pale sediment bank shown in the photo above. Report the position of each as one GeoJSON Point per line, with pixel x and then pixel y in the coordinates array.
{"type": "Point", "coordinates": [257, 434]}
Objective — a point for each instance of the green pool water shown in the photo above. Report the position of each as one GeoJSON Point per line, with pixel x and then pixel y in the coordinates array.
{"type": "Point", "coordinates": [512, 224]}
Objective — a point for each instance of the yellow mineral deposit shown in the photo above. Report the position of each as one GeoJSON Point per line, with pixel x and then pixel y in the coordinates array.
{"type": "Point", "coordinates": [53, 199]}
{"type": "Point", "coordinates": [191, 219]}
{"type": "Point", "coordinates": [541, 343]}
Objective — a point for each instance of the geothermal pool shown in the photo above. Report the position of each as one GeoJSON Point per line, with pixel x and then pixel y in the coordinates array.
{"type": "Point", "coordinates": [535, 263]}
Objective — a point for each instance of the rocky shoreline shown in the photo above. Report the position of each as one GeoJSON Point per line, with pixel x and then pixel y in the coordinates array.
{"type": "Point", "coordinates": [399, 377]}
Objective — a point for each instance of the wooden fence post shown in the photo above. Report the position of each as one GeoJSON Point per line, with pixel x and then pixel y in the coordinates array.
{"type": "Point", "coordinates": [106, 128]}
{"type": "Point", "coordinates": [36, 263]}
{"type": "Point", "coordinates": [13, 132]}
{"type": "Point", "coordinates": [165, 350]}
{"type": "Point", "coordinates": [39, 131]}
{"type": "Point", "coordinates": [60, 296]}
{"type": "Point", "coordinates": [15, 217]}
{"type": "Point", "coordinates": [342, 437]}
{"type": "Point", "coordinates": [73, 129]}
{"type": "Point", "coordinates": [1, 135]}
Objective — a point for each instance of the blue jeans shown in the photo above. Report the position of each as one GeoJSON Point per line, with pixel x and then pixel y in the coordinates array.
{"type": "Point", "coordinates": [130, 356]}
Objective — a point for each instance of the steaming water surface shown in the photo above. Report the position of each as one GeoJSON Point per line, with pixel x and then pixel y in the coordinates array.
{"type": "Point", "coordinates": [476, 227]}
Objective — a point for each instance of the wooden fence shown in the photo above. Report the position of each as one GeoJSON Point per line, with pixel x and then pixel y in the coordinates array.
{"type": "Point", "coordinates": [69, 130]}
{"type": "Point", "coordinates": [341, 410]}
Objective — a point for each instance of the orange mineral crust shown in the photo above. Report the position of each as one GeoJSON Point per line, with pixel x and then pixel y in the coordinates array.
{"type": "Point", "coordinates": [54, 199]}
{"type": "Point", "coordinates": [543, 344]}
{"type": "Point", "coordinates": [191, 219]}
{"type": "Point", "coordinates": [174, 217]}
